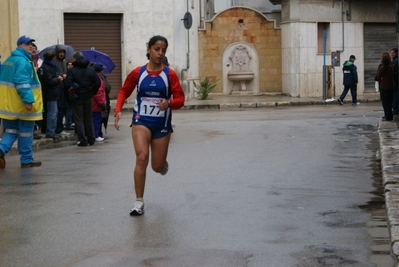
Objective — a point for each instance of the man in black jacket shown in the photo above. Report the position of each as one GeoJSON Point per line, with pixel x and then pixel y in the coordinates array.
{"type": "Point", "coordinates": [84, 82]}
{"type": "Point", "coordinates": [350, 81]}
{"type": "Point", "coordinates": [51, 89]}
{"type": "Point", "coordinates": [62, 102]}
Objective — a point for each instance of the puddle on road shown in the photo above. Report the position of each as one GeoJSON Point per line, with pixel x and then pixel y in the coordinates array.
{"type": "Point", "coordinates": [377, 226]}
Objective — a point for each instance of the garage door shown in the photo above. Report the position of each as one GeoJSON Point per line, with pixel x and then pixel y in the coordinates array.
{"type": "Point", "coordinates": [378, 37]}
{"type": "Point", "coordinates": [97, 31]}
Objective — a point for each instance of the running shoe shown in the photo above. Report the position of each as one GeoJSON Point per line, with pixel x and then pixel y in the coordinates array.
{"type": "Point", "coordinates": [138, 209]}
{"type": "Point", "coordinates": [340, 101]}
{"type": "Point", "coordinates": [165, 168]}
{"type": "Point", "coordinates": [99, 139]}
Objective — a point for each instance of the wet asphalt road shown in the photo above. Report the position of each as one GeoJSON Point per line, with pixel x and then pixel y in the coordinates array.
{"type": "Point", "coordinates": [265, 187]}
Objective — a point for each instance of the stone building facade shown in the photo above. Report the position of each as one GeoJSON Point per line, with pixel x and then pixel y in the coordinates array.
{"type": "Point", "coordinates": [241, 25]}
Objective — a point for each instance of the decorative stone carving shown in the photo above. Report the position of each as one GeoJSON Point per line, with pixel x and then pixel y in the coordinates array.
{"type": "Point", "coordinates": [240, 71]}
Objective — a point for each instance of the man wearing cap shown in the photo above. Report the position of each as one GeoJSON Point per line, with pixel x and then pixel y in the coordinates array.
{"type": "Point", "coordinates": [21, 102]}
{"type": "Point", "coordinates": [350, 81]}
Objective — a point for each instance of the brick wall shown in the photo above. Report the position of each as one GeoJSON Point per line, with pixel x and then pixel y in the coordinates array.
{"type": "Point", "coordinates": [255, 30]}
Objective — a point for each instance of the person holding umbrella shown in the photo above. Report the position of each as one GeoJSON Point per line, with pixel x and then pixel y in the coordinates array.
{"type": "Point", "coordinates": [35, 58]}
{"type": "Point", "coordinates": [158, 92]}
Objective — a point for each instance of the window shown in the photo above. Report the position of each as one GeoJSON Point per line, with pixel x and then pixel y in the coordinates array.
{"type": "Point", "coordinates": [321, 26]}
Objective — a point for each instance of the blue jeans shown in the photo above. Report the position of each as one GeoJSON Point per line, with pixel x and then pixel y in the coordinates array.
{"type": "Point", "coordinates": [52, 113]}
{"type": "Point", "coordinates": [23, 130]}
{"type": "Point", "coordinates": [68, 117]}
{"type": "Point", "coordinates": [97, 123]}
{"type": "Point", "coordinates": [62, 104]}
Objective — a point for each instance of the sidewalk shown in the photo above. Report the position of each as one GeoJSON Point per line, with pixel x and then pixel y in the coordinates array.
{"type": "Point", "coordinates": [389, 151]}
{"type": "Point", "coordinates": [388, 135]}
{"type": "Point", "coordinates": [261, 101]}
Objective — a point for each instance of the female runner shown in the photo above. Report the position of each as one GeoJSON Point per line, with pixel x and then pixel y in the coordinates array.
{"type": "Point", "coordinates": [158, 92]}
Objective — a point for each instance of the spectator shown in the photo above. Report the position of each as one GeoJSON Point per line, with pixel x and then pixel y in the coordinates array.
{"type": "Point", "coordinates": [85, 82]}
{"type": "Point", "coordinates": [385, 77]}
{"type": "Point", "coordinates": [19, 83]}
{"type": "Point", "coordinates": [99, 104]}
{"type": "Point", "coordinates": [62, 100]}
{"type": "Point", "coordinates": [52, 87]}
{"type": "Point", "coordinates": [35, 58]}
{"type": "Point", "coordinates": [105, 113]}
{"type": "Point", "coordinates": [395, 102]}
{"type": "Point", "coordinates": [69, 124]}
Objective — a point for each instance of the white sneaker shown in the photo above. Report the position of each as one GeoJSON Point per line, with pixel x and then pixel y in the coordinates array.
{"type": "Point", "coordinates": [138, 208]}
{"type": "Point", "coordinates": [99, 139]}
{"type": "Point", "coordinates": [165, 168]}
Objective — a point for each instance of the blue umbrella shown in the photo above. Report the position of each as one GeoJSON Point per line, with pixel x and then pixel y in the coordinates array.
{"type": "Point", "coordinates": [99, 57]}
{"type": "Point", "coordinates": [68, 50]}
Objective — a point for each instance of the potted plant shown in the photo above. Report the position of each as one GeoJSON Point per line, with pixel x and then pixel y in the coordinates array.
{"type": "Point", "coordinates": [204, 87]}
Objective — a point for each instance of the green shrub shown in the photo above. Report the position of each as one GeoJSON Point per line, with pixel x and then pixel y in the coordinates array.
{"type": "Point", "coordinates": [204, 88]}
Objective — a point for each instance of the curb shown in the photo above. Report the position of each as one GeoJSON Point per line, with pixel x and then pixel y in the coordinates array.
{"type": "Point", "coordinates": [37, 144]}
{"type": "Point", "coordinates": [389, 149]}
{"type": "Point", "coordinates": [223, 106]}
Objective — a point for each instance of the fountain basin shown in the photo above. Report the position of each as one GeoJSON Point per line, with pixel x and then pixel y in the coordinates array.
{"type": "Point", "coordinates": [241, 76]}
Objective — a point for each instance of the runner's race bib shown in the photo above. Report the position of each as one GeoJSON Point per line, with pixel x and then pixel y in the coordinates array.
{"type": "Point", "coordinates": [149, 107]}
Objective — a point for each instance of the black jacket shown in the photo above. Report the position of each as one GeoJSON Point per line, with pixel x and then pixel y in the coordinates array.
{"type": "Point", "coordinates": [51, 85]}
{"type": "Point", "coordinates": [350, 73]}
{"type": "Point", "coordinates": [395, 69]}
{"type": "Point", "coordinates": [85, 77]}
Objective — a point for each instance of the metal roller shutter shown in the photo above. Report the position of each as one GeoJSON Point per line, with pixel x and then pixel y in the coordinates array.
{"type": "Point", "coordinates": [101, 32]}
{"type": "Point", "coordinates": [378, 37]}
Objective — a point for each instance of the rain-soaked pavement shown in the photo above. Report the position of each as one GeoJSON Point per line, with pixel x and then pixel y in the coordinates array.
{"type": "Point", "coordinates": [289, 186]}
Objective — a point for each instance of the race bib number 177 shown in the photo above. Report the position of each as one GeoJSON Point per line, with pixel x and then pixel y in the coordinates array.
{"type": "Point", "coordinates": [149, 107]}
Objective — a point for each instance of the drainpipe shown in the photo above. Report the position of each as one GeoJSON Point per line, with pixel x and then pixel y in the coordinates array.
{"type": "Point", "coordinates": [343, 39]}
{"type": "Point", "coordinates": [324, 64]}
{"type": "Point", "coordinates": [202, 14]}
{"type": "Point", "coordinates": [188, 52]}
{"type": "Point", "coordinates": [343, 28]}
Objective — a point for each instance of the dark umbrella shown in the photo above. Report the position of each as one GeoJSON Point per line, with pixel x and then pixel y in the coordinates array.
{"type": "Point", "coordinates": [104, 119]}
{"type": "Point", "coordinates": [105, 115]}
{"type": "Point", "coordinates": [99, 57]}
{"type": "Point", "coordinates": [68, 50]}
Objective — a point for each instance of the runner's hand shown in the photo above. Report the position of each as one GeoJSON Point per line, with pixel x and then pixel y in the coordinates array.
{"type": "Point", "coordinates": [117, 116]}
{"type": "Point", "coordinates": [164, 104]}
